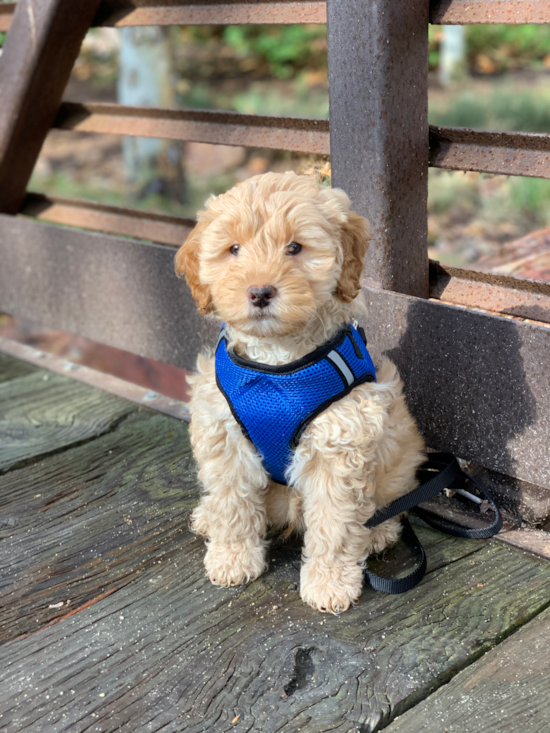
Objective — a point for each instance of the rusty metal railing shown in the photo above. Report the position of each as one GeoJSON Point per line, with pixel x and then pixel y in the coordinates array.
{"type": "Point", "coordinates": [120, 13]}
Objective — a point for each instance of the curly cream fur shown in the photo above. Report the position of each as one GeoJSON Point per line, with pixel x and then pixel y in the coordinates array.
{"type": "Point", "coordinates": [356, 456]}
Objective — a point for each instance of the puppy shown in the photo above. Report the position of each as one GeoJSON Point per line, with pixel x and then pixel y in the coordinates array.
{"type": "Point", "coordinates": [279, 258]}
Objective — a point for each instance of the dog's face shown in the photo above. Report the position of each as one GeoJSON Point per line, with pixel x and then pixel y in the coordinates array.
{"type": "Point", "coordinates": [269, 252]}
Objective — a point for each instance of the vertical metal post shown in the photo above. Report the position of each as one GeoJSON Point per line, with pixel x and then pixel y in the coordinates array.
{"type": "Point", "coordinates": [378, 81]}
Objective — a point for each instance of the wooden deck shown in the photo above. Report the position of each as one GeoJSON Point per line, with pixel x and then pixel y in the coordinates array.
{"type": "Point", "coordinates": [108, 623]}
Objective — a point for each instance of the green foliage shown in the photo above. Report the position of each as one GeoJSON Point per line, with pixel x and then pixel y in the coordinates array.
{"type": "Point", "coordinates": [2, 39]}
{"type": "Point", "coordinates": [265, 50]}
{"type": "Point", "coordinates": [509, 46]}
{"type": "Point", "coordinates": [284, 48]}
{"type": "Point", "coordinates": [498, 48]}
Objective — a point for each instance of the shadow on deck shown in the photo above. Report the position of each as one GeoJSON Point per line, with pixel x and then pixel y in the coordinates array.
{"type": "Point", "coordinates": [108, 622]}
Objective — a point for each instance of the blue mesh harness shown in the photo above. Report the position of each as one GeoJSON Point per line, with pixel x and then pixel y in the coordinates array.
{"type": "Point", "coordinates": [274, 404]}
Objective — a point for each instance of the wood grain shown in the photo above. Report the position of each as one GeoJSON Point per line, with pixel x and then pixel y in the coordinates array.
{"type": "Point", "coordinates": [90, 519]}
{"type": "Point", "coordinates": [109, 623]}
{"type": "Point", "coordinates": [12, 368]}
{"type": "Point", "coordinates": [506, 690]}
{"type": "Point", "coordinates": [171, 652]}
{"type": "Point", "coordinates": [43, 412]}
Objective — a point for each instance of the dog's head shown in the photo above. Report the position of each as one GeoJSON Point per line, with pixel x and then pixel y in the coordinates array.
{"type": "Point", "coordinates": [269, 252]}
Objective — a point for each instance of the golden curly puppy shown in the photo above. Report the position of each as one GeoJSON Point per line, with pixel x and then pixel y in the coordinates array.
{"type": "Point", "coordinates": [279, 259]}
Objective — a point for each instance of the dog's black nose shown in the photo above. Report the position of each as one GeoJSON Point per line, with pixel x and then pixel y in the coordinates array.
{"type": "Point", "coordinates": [260, 297]}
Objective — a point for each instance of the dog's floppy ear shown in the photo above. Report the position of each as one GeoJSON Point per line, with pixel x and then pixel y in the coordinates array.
{"type": "Point", "coordinates": [187, 263]}
{"type": "Point", "coordinates": [355, 243]}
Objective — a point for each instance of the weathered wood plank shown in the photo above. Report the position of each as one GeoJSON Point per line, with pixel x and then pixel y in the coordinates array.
{"type": "Point", "coordinates": [506, 690]}
{"type": "Point", "coordinates": [87, 521]}
{"type": "Point", "coordinates": [124, 498]}
{"type": "Point", "coordinates": [11, 368]}
{"type": "Point", "coordinates": [43, 412]}
{"type": "Point", "coordinates": [170, 652]}
{"type": "Point", "coordinates": [147, 643]}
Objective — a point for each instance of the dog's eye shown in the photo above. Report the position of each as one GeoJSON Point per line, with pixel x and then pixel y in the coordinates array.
{"type": "Point", "coordinates": [234, 250]}
{"type": "Point", "coordinates": [293, 248]}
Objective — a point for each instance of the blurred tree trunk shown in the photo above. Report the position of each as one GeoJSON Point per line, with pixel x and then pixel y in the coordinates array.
{"type": "Point", "coordinates": [146, 80]}
{"type": "Point", "coordinates": [452, 55]}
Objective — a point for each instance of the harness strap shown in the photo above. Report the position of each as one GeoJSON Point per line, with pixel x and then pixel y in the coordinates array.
{"type": "Point", "coordinates": [440, 471]}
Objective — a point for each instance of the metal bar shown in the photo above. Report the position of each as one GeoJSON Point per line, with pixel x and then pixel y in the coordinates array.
{"type": "Point", "coordinates": [106, 382]}
{"type": "Point", "coordinates": [510, 153]}
{"type": "Point", "coordinates": [226, 128]}
{"type": "Point", "coordinates": [120, 13]}
{"type": "Point", "coordinates": [36, 61]}
{"type": "Point", "coordinates": [6, 15]}
{"type": "Point", "coordinates": [120, 292]}
{"type": "Point", "coordinates": [378, 83]}
{"type": "Point", "coordinates": [477, 384]}
{"type": "Point", "coordinates": [511, 12]}
{"type": "Point", "coordinates": [497, 293]}
{"type": "Point", "coordinates": [160, 228]}
{"type": "Point", "coordinates": [452, 148]}
{"type": "Point", "coordinates": [214, 12]}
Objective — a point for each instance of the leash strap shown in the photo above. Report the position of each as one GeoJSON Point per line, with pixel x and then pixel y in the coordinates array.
{"type": "Point", "coordinates": [440, 471]}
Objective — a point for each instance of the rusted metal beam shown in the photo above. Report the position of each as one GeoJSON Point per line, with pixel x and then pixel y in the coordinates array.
{"type": "Point", "coordinates": [6, 14]}
{"type": "Point", "coordinates": [226, 128]}
{"type": "Point", "coordinates": [161, 228]}
{"type": "Point", "coordinates": [378, 84]}
{"type": "Point", "coordinates": [510, 153]}
{"type": "Point", "coordinates": [477, 383]}
{"type": "Point", "coordinates": [208, 12]}
{"type": "Point", "coordinates": [106, 382]}
{"type": "Point", "coordinates": [452, 148]}
{"type": "Point", "coordinates": [36, 61]}
{"type": "Point", "coordinates": [496, 293]}
{"type": "Point", "coordinates": [120, 292]}
{"type": "Point", "coordinates": [511, 12]}
{"type": "Point", "coordinates": [120, 13]}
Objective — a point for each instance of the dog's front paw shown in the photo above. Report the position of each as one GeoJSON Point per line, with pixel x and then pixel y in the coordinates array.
{"type": "Point", "coordinates": [235, 563]}
{"type": "Point", "coordinates": [330, 588]}
{"type": "Point", "coordinates": [199, 520]}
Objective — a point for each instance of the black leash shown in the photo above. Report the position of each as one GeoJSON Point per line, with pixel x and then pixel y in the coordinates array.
{"type": "Point", "coordinates": [440, 471]}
